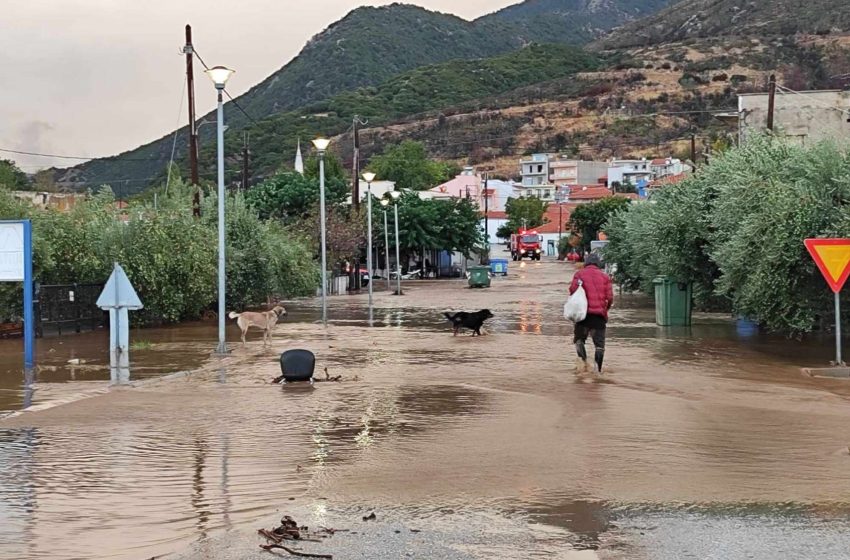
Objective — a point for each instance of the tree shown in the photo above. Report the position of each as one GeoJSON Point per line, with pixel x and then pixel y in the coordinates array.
{"type": "Point", "coordinates": [460, 227]}
{"type": "Point", "coordinates": [588, 219]}
{"type": "Point", "coordinates": [445, 225]}
{"type": "Point", "coordinates": [11, 176]}
{"type": "Point", "coordinates": [333, 168]}
{"type": "Point", "coordinates": [523, 213]}
{"type": "Point", "coordinates": [407, 164]}
{"type": "Point", "coordinates": [290, 196]}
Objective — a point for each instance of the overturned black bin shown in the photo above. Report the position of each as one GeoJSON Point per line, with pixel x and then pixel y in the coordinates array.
{"type": "Point", "coordinates": [297, 365]}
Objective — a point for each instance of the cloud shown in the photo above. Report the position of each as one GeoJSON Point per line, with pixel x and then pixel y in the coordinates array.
{"type": "Point", "coordinates": [31, 135]}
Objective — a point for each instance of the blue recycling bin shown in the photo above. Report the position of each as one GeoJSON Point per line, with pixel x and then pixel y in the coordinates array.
{"type": "Point", "coordinates": [499, 266]}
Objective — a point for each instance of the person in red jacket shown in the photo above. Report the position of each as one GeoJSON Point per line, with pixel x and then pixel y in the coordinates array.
{"type": "Point", "coordinates": [600, 297]}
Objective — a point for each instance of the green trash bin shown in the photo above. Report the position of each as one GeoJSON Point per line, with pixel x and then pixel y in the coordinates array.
{"type": "Point", "coordinates": [672, 302]}
{"type": "Point", "coordinates": [479, 276]}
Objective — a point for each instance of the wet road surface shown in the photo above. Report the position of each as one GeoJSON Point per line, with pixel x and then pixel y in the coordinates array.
{"type": "Point", "coordinates": [698, 442]}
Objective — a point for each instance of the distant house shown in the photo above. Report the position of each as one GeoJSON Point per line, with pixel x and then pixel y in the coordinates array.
{"type": "Point", "coordinates": [565, 172]}
{"type": "Point", "coordinates": [546, 175]}
{"type": "Point", "coordinates": [470, 185]}
{"type": "Point", "coordinates": [666, 167]}
{"type": "Point", "coordinates": [582, 194]}
{"type": "Point", "coordinates": [630, 171]}
{"type": "Point", "coordinates": [58, 201]}
{"type": "Point", "coordinates": [379, 189]}
{"type": "Point", "coordinates": [466, 185]}
{"type": "Point", "coordinates": [535, 170]}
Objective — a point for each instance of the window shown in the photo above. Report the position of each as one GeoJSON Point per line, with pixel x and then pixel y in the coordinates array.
{"type": "Point", "coordinates": [540, 169]}
{"type": "Point", "coordinates": [546, 194]}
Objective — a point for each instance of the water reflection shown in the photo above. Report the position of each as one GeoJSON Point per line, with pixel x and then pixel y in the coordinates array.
{"type": "Point", "coordinates": [18, 497]}
{"type": "Point", "coordinates": [199, 504]}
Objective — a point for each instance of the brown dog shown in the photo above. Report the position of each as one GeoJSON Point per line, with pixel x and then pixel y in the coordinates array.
{"type": "Point", "coordinates": [263, 321]}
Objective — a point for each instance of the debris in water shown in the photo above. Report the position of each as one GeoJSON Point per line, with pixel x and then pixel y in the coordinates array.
{"type": "Point", "coordinates": [290, 531]}
{"type": "Point", "coordinates": [370, 517]}
{"type": "Point", "coordinates": [294, 552]}
{"type": "Point", "coordinates": [328, 377]}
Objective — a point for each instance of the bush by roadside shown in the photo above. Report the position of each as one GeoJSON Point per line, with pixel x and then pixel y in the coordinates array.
{"type": "Point", "coordinates": [170, 256]}
{"type": "Point", "coordinates": [736, 230]}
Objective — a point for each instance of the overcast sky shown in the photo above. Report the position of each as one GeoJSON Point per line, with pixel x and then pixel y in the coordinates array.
{"type": "Point", "coordinates": [99, 77]}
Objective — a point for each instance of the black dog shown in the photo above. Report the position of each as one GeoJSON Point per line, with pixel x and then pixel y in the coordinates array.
{"type": "Point", "coordinates": [472, 321]}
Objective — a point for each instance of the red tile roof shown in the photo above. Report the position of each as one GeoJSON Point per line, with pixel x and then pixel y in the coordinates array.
{"type": "Point", "coordinates": [552, 227]}
{"type": "Point", "coordinates": [669, 180]}
{"type": "Point", "coordinates": [496, 215]}
{"type": "Point", "coordinates": [589, 192]}
{"type": "Point", "coordinates": [659, 161]}
{"type": "Point", "coordinates": [552, 212]}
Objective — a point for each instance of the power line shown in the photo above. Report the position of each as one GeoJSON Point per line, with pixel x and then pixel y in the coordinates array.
{"type": "Point", "coordinates": [38, 154]}
{"type": "Point", "coordinates": [176, 130]}
{"type": "Point", "coordinates": [810, 96]}
{"type": "Point", "coordinates": [227, 93]}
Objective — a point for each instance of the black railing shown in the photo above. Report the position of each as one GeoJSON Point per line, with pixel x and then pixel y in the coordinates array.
{"type": "Point", "coordinates": [68, 307]}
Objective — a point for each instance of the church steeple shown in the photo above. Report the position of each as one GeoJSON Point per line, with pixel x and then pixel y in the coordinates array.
{"type": "Point", "coordinates": [299, 161]}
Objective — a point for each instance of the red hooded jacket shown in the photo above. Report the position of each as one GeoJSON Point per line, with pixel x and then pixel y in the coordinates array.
{"type": "Point", "coordinates": [598, 287]}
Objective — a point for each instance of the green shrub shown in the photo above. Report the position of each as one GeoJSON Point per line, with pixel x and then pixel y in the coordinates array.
{"type": "Point", "coordinates": [736, 230]}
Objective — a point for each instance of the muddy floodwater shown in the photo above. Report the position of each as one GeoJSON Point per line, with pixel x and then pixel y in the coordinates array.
{"type": "Point", "coordinates": [699, 442]}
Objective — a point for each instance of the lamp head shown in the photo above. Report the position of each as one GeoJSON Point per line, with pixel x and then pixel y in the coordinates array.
{"type": "Point", "coordinates": [368, 177]}
{"type": "Point", "coordinates": [395, 194]}
{"type": "Point", "coordinates": [321, 144]}
{"type": "Point", "coordinates": [385, 202]}
{"type": "Point", "coordinates": [219, 75]}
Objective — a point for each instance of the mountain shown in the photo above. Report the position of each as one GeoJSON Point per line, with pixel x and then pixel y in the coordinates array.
{"type": "Point", "coordinates": [366, 48]}
{"type": "Point", "coordinates": [693, 19]}
{"type": "Point", "coordinates": [416, 94]}
{"type": "Point", "coordinates": [580, 20]}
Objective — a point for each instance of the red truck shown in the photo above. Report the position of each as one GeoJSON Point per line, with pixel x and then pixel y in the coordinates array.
{"type": "Point", "coordinates": [525, 244]}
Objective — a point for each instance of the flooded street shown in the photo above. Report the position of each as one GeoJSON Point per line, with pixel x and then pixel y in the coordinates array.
{"type": "Point", "coordinates": [699, 442]}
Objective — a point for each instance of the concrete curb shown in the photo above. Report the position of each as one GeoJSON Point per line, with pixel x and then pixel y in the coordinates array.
{"type": "Point", "coordinates": [837, 372]}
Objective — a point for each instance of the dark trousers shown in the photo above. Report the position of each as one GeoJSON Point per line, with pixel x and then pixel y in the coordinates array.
{"type": "Point", "coordinates": [594, 326]}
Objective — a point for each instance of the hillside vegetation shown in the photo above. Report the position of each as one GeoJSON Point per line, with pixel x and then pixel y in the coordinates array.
{"type": "Point", "coordinates": [577, 21]}
{"type": "Point", "coordinates": [692, 19]}
{"type": "Point", "coordinates": [419, 91]}
{"type": "Point", "coordinates": [366, 48]}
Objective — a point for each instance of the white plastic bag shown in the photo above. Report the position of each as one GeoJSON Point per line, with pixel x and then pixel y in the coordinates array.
{"type": "Point", "coordinates": [575, 309]}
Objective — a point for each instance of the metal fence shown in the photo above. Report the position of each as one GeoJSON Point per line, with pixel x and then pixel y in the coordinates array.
{"type": "Point", "coordinates": [68, 308]}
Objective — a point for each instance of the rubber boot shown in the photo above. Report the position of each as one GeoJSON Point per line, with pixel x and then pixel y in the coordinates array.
{"type": "Point", "coordinates": [599, 357]}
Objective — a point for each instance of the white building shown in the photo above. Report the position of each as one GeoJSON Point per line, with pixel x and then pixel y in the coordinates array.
{"type": "Point", "coordinates": [379, 189]}
{"type": "Point", "coordinates": [804, 117]}
{"type": "Point", "coordinates": [497, 193]}
{"type": "Point", "coordinates": [629, 171]}
{"type": "Point", "coordinates": [535, 170]}
{"type": "Point", "coordinates": [667, 167]}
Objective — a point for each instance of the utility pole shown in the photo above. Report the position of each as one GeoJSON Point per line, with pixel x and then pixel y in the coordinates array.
{"type": "Point", "coordinates": [189, 51]}
{"type": "Point", "coordinates": [355, 166]}
{"type": "Point", "coordinates": [486, 210]}
{"type": "Point", "coordinates": [771, 100]}
{"type": "Point", "coordinates": [355, 193]}
{"type": "Point", "coordinates": [694, 149]}
{"type": "Point", "coordinates": [245, 155]}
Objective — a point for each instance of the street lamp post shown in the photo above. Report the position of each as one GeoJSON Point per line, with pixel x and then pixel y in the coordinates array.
{"type": "Point", "coordinates": [396, 195]}
{"type": "Point", "coordinates": [369, 177]}
{"type": "Point", "coordinates": [385, 203]}
{"type": "Point", "coordinates": [321, 145]}
{"type": "Point", "coordinates": [219, 75]}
